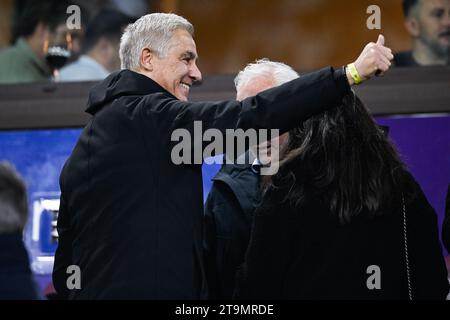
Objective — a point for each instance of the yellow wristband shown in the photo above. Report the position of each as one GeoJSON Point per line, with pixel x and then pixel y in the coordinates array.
{"type": "Point", "coordinates": [354, 73]}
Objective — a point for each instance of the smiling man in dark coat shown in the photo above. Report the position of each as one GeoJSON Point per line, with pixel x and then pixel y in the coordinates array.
{"type": "Point", "coordinates": [129, 217]}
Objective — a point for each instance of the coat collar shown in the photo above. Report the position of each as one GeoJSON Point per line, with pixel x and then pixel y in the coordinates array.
{"type": "Point", "coordinates": [118, 84]}
{"type": "Point", "coordinates": [244, 183]}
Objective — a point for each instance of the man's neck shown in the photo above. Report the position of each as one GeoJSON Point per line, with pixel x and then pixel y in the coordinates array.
{"type": "Point", "coordinates": [95, 55]}
{"type": "Point", "coordinates": [425, 56]}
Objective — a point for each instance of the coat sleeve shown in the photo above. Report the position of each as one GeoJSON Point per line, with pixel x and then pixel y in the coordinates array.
{"type": "Point", "coordinates": [282, 107]}
{"type": "Point", "coordinates": [63, 255]}
{"type": "Point", "coordinates": [427, 265]}
{"type": "Point", "coordinates": [209, 246]}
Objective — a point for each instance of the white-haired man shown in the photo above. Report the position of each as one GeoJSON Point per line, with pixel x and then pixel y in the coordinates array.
{"type": "Point", "coordinates": [130, 218]}
{"type": "Point", "coordinates": [234, 194]}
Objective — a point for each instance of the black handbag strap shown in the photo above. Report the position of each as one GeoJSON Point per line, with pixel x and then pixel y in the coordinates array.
{"type": "Point", "coordinates": [405, 238]}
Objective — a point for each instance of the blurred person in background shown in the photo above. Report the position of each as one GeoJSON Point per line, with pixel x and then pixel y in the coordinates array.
{"type": "Point", "coordinates": [16, 280]}
{"type": "Point", "coordinates": [235, 190]}
{"type": "Point", "coordinates": [132, 8]}
{"type": "Point", "coordinates": [100, 48]}
{"type": "Point", "coordinates": [35, 24]}
{"type": "Point", "coordinates": [428, 23]}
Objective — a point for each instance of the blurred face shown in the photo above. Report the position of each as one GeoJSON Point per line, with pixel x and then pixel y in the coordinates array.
{"type": "Point", "coordinates": [71, 38]}
{"type": "Point", "coordinates": [250, 89]}
{"type": "Point", "coordinates": [177, 71]}
{"type": "Point", "coordinates": [431, 24]}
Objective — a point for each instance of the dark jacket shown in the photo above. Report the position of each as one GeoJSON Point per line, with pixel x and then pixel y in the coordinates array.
{"type": "Point", "coordinates": [229, 209]}
{"type": "Point", "coordinates": [16, 280]}
{"type": "Point", "coordinates": [446, 224]}
{"type": "Point", "coordinates": [129, 217]}
{"type": "Point", "coordinates": [307, 254]}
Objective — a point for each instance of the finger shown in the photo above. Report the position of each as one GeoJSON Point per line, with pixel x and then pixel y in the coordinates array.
{"type": "Point", "coordinates": [387, 52]}
{"type": "Point", "coordinates": [380, 40]}
{"type": "Point", "coordinates": [383, 67]}
{"type": "Point", "coordinates": [385, 60]}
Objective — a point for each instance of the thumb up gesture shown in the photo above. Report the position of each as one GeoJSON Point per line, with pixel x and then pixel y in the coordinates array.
{"type": "Point", "coordinates": [375, 59]}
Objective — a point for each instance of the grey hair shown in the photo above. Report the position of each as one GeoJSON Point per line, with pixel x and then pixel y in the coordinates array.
{"type": "Point", "coordinates": [13, 200]}
{"type": "Point", "coordinates": [280, 72]}
{"type": "Point", "coordinates": [152, 31]}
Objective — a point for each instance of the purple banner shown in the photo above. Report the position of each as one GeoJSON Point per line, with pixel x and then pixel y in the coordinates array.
{"type": "Point", "coordinates": [424, 144]}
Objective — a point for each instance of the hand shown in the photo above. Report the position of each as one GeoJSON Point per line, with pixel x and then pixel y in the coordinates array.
{"type": "Point", "coordinates": [375, 59]}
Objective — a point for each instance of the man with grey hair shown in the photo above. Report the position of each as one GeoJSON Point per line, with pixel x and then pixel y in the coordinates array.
{"type": "Point", "coordinates": [234, 194]}
{"type": "Point", "coordinates": [16, 280]}
{"type": "Point", "coordinates": [130, 218]}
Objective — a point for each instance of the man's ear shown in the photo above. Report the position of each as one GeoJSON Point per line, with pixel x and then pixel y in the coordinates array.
{"type": "Point", "coordinates": [412, 25]}
{"type": "Point", "coordinates": [146, 59]}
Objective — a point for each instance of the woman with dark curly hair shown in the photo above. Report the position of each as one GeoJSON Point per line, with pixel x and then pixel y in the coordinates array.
{"type": "Point", "coordinates": [343, 219]}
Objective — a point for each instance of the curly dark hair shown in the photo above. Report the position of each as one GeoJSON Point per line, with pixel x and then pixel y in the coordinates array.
{"type": "Point", "coordinates": [343, 158]}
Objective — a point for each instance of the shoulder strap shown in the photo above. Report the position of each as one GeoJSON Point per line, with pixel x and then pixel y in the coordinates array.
{"type": "Point", "coordinates": [405, 238]}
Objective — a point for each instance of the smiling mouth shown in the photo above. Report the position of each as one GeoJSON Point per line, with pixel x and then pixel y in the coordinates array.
{"type": "Point", "coordinates": [185, 86]}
